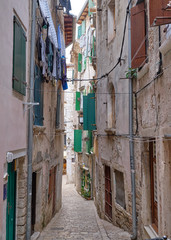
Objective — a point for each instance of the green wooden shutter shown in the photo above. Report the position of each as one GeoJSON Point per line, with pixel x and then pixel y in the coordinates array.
{"type": "Point", "coordinates": [38, 97]}
{"type": "Point", "coordinates": [77, 101]}
{"type": "Point", "coordinates": [85, 113]}
{"type": "Point", "coordinates": [83, 27]}
{"type": "Point", "coordinates": [19, 58]}
{"type": "Point", "coordinates": [79, 62]}
{"type": "Point", "coordinates": [90, 5]}
{"type": "Point", "coordinates": [79, 31]}
{"type": "Point", "coordinates": [85, 63]}
{"type": "Point", "coordinates": [89, 142]}
{"type": "Point", "coordinates": [78, 140]}
{"type": "Point", "coordinates": [94, 47]}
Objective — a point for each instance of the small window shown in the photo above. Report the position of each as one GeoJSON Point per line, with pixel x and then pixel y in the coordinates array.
{"type": "Point", "coordinates": [38, 97]}
{"type": "Point", "coordinates": [73, 160]}
{"type": "Point", "coordinates": [19, 58]}
{"type": "Point", "coordinates": [111, 21]}
{"type": "Point", "coordinates": [120, 190]}
{"type": "Point", "coordinates": [111, 108]}
{"type": "Point", "coordinates": [65, 140]}
{"type": "Point", "coordinates": [58, 110]}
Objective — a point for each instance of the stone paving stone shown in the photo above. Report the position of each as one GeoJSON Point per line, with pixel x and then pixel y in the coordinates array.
{"type": "Point", "coordinates": [78, 220]}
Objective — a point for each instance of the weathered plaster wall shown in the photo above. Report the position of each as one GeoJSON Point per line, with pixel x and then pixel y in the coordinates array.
{"type": "Point", "coordinates": [12, 115]}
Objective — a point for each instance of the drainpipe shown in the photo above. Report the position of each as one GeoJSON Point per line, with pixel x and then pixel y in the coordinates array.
{"type": "Point", "coordinates": [30, 122]}
{"type": "Point", "coordinates": [131, 144]}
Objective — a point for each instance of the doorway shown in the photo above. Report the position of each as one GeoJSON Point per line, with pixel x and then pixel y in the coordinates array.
{"type": "Point", "coordinates": [11, 202]}
{"type": "Point", "coordinates": [108, 193]}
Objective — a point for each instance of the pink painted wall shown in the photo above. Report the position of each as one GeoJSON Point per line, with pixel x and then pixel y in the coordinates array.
{"type": "Point", "coordinates": [13, 120]}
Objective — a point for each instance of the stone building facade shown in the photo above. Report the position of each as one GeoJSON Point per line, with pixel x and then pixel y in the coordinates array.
{"type": "Point", "coordinates": [148, 51]}
{"type": "Point", "coordinates": [83, 58]}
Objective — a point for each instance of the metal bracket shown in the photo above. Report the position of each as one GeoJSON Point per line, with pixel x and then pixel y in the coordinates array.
{"type": "Point", "coordinates": [30, 104]}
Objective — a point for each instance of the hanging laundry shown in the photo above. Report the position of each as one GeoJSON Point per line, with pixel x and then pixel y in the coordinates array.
{"type": "Point", "coordinates": [44, 7]}
{"type": "Point", "coordinates": [50, 59]}
{"type": "Point", "coordinates": [43, 62]}
{"type": "Point", "coordinates": [64, 79]}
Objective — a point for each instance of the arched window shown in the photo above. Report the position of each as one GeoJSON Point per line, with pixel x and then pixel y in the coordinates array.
{"type": "Point", "coordinates": [111, 107]}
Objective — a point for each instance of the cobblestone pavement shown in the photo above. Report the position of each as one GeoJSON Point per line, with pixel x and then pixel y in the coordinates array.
{"type": "Point", "coordinates": [78, 220]}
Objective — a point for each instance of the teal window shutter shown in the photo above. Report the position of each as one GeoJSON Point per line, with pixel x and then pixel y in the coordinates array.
{"type": "Point", "coordinates": [77, 101]}
{"type": "Point", "coordinates": [89, 142]}
{"type": "Point", "coordinates": [19, 58]}
{"type": "Point", "coordinates": [38, 97]}
{"type": "Point", "coordinates": [90, 5]}
{"type": "Point", "coordinates": [78, 140]}
{"type": "Point", "coordinates": [94, 47]}
{"type": "Point", "coordinates": [83, 27]}
{"type": "Point", "coordinates": [79, 62]}
{"type": "Point", "coordinates": [79, 31]}
{"type": "Point", "coordinates": [89, 120]}
{"type": "Point", "coordinates": [85, 63]}
{"type": "Point", "coordinates": [85, 113]}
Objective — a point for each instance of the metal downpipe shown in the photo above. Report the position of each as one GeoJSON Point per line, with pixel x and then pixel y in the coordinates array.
{"type": "Point", "coordinates": [30, 122]}
{"type": "Point", "coordinates": [131, 143]}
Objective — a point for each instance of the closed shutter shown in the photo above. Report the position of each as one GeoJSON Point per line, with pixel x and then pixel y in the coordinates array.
{"type": "Point", "coordinates": [78, 140]}
{"type": "Point", "coordinates": [79, 62]}
{"type": "Point", "coordinates": [89, 120]}
{"type": "Point", "coordinates": [159, 14]}
{"type": "Point", "coordinates": [19, 58]}
{"type": "Point", "coordinates": [138, 43]}
{"type": "Point", "coordinates": [77, 101]}
{"type": "Point", "coordinates": [85, 113]}
{"type": "Point", "coordinates": [91, 112]}
{"type": "Point", "coordinates": [38, 97]}
{"type": "Point", "coordinates": [83, 27]}
{"type": "Point", "coordinates": [89, 142]}
{"type": "Point", "coordinates": [79, 31]}
{"type": "Point", "coordinates": [91, 7]}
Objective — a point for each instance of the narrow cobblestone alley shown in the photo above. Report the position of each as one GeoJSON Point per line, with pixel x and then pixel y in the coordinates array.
{"type": "Point", "coordinates": [78, 220]}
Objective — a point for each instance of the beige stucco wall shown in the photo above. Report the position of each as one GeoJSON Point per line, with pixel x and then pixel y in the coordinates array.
{"type": "Point", "coordinates": [12, 116]}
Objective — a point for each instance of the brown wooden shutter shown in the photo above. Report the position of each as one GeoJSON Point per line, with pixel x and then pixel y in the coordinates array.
{"type": "Point", "coordinates": [138, 49]}
{"type": "Point", "coordinates": [159, 13]}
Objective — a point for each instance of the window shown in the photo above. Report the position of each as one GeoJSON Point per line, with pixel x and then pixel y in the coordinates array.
{"type": "Point", "coordinates": [138, 36]}
{"type": "Point", "coordinates": [111, 21]}
{"type": "Point", "coordinates": [111, 108]}
{"type": "Point", "coordinates": [83, 27]}
{"type": "Point", "coordinates": [65, 140]}
{"type": "Point", "coordinates": [38, 97]}
{"type": "Point", "coordinates": [120, 190]}
{"type": "Point", "coordinates": [58, 110]}
{"type": "Point", "coordinates": [19, 58]}
{"type": "Point", "coordinates": [159, 12]}
{"type": "Point", "coordinates": [154, 198]}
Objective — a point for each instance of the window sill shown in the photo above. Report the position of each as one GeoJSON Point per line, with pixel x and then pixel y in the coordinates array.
{"type": "Point", "coordinates": [110, 130]}
{"type": "Point", "coordinates": [166, 46]}
{"type": "Point", "coordinates": [59, 130]}
{"type": "Point", "coordinates": [143, 71]}
{"type": "Point", "coordinates": [150, 232]}
{"type": "Point", "coordinates": [38, 129]}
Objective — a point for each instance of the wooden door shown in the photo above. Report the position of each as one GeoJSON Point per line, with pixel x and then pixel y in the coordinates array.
{"type": "Point", "coordinates": [154, 199]}
{"type": "Point", "coordinates": [54, 189]}
{"type": "Point", "coordinates": [108, 193]}
{"type": "Point", "coordinates": [33, 205]}
{"type": "Point", "coordinates": [11, 202]}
